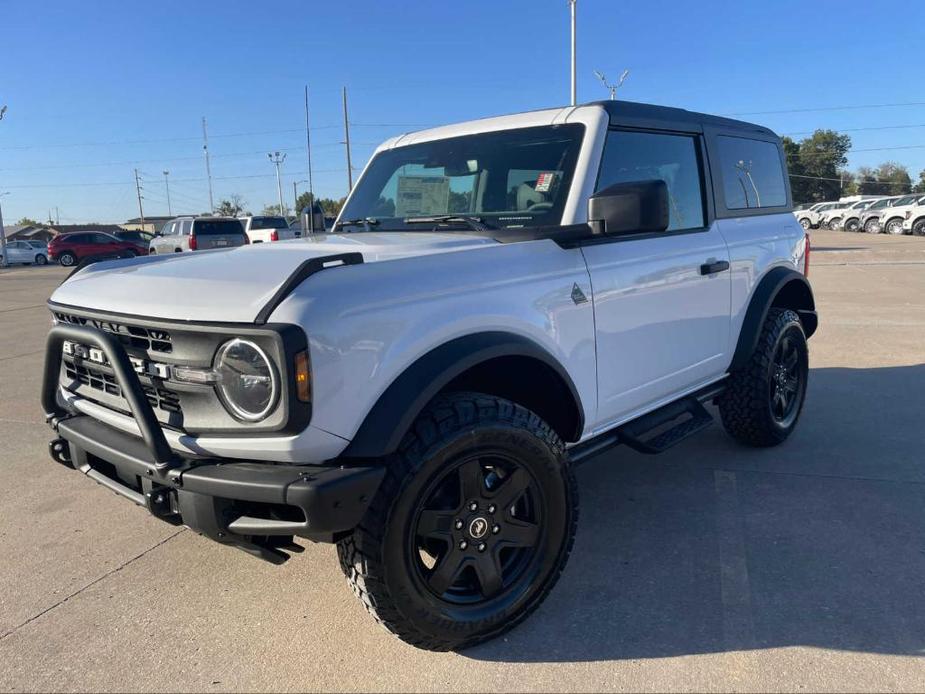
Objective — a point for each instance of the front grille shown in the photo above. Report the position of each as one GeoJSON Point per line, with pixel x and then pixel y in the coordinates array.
{"type": "Point", "coordinates": [148, 339]}
{"type": "Point", "coordinates": [100, 380]}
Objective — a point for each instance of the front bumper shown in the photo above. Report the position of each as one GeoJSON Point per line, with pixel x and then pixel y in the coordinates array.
{"type": "Point", "coordinates": [256, 506]}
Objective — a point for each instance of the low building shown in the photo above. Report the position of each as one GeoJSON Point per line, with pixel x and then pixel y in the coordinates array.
{"type": "Point", "coordinates": [150, 224]}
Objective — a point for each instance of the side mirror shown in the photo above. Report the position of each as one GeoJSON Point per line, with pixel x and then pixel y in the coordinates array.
{"type": "Point", "coordinates": [638, 207]}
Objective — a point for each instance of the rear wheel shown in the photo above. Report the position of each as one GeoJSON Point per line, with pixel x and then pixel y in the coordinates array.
{"type": "Point", "coordinates": [763, 400]}
{"type": "Point", "coordinates": [471, 527]}
{"type": "Point", "coordinates": [67, 259]}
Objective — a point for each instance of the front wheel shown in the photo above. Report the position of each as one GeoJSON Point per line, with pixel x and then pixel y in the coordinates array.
{"type": "Point", "coordinates": [471, 527]}
{"type": "Point", "coordinates": [40, 259]}
{"type": "Point", "coordinates": [894, 226]}
{"type": "Point", "coordinates": [872, 226]}
{"type": "Point", "coordinates": [806, 224]}
{"type": "Point", "coordinates": [852, 225]}
{"type": "Point", "coordinates": [918, 227]}
{"type": "Point", "coordinates": [833, 223]}
{"type": "Point", "coordinates": [67, 259]}
{"type": "Point", "coordinates": [763, 399]}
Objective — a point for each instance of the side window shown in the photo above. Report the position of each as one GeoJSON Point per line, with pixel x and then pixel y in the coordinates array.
{"type": "Point", "coordinates": [187, 225]}
{"type": "Point", "coordinates": [632, 156]}
{"type": "Point", "coordinates": [752, 173]}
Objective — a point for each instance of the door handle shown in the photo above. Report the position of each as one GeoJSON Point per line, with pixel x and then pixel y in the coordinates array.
{"type": "Point", "coordinates": [714, 266]}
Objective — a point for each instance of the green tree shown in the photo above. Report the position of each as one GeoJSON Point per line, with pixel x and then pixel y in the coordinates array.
{"type": "Point", "coordinates": [894, 178]}
{"type": "Point", "coordinates": [303, 202]}
{"type": "Point", "coordinates": [231, 207]}
{"type": "Point", "coordinates": [273, 210]}
{"type": "Point", "coordinates": [920, 186]}
{"type": "Point", "coordinates": [820, 161]}
{"type": "Point", "coordinates": [330, 206]}
{"type": "Point", "coordinates": [27, 222]}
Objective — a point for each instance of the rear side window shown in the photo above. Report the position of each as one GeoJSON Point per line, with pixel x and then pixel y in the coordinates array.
{"type": "Point", "coordinates": [186, 226]}
{"type": "Point", "coordinates": [631, 156]}
{"type": "Point", "coordinates": [752, 173]}
{"type": "Point", "coordinates": [214, 227]}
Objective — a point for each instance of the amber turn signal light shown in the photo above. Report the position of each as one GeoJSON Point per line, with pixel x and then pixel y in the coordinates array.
{"type": "Point", "coordinates": [303, 381]}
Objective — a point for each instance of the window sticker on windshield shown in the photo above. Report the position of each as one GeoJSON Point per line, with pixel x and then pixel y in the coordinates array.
{"type": "Point", "coordinates": [544, 181]}
{"type": "Point", "coordinates": [422, 195]}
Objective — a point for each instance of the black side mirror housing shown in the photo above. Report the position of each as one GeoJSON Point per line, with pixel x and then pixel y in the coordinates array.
{"type": "Point", "coordinates": [638, 207]}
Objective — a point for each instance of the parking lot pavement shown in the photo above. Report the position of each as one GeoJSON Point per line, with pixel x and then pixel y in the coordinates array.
{"type": "Point", "coordinates": [712, 567]}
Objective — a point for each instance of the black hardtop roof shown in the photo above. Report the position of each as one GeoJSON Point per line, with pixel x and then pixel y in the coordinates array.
{"type": "Point", "coordinates": [636, 114]}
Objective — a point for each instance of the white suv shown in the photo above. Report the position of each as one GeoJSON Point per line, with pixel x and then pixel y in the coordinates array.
{"type": "Point", "coordinates": [809, 216]}
{"type": "Point", "coordinates": [892, 218]}
{"type": "Point", "coordinates": [263, 229]}
{"type": "Point", "coordinates": [499, 301]}
{"type": "Point", "coordinates": [914, 222]}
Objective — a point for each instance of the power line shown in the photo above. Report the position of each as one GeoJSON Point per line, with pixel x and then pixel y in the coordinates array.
{"type": "Point", "coordinates": [853, 107]}
{"type": "Point", "coordinates": [855, 130]}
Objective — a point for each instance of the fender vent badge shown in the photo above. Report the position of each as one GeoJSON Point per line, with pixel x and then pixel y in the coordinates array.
{"type": "Point", "coordinates": [578, 296]}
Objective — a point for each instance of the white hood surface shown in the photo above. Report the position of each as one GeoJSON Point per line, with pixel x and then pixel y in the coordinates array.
{"type": "Point", "coordinates": [233, 285]}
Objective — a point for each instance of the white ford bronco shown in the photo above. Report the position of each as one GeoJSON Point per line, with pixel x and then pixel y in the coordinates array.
{"type": "Point", "coordinates": [498, 301]}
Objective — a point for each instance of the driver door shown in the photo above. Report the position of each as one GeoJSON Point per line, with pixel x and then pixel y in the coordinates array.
{"type": "Point", "coordinates": [661, 300]}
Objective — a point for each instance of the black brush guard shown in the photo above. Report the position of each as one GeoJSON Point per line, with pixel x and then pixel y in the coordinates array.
{"type": "Point", "coordinates": [257, 506]}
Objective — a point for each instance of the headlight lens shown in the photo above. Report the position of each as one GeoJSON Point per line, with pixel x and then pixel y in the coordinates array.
{"type": "Point", "coordinates": [247, 380]}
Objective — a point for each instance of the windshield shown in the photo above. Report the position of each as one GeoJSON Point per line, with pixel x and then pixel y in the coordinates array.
{"type": "Point", "coordinates": [268, 223]}
{"type": "Point", "coordinates": [210, 227]}
{"type": "Point", "coordinates": [511, 178]}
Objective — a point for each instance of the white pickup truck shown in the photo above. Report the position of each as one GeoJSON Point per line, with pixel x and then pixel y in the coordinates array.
{"type": "Point", "coordinates": [499, 300]}
{"type": "Point", "coordinates": [263, 229]}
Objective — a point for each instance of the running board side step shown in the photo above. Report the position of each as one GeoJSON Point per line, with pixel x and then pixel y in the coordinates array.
{"type": "Point", "coordinates": [694, 419]}
{"type": "Point", "coordinates": [690, 408]}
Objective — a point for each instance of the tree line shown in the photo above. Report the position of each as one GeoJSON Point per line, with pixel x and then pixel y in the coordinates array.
{"type": "Point", "coordinates": [818, 171]}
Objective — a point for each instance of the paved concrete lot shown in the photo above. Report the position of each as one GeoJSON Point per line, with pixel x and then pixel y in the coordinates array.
{"type": "Point", "coordinates": [713, 567]}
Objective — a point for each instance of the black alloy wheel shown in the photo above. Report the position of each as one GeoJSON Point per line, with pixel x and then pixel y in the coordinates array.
{"type": "Point", "coordinates": [786, 385]}
{"type": "Point", "coordinates": [476, 530]}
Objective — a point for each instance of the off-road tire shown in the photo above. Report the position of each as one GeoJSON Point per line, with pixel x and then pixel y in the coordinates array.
{"type": "Point", "coordinates": [745, 405]}
{"type": "Point", "coordinates": [372, 557]}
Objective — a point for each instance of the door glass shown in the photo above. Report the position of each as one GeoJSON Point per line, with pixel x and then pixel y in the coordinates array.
{"type": "Point", "coordinates": [752, 173]}
{"type": "Point", "coordinates": [634, 156]}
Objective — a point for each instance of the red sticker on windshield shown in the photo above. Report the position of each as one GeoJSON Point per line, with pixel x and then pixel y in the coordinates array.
{"type": "Point", "coordinates": [544, 181]}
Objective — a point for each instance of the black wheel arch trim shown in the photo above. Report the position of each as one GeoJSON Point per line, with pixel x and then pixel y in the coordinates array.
{"type": "Point", "coordinates": [763, 299]}
{"type": "Point", "coordinates": [396, 409]}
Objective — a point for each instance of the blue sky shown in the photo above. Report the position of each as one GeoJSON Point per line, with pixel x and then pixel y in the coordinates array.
{"type": "Point", "coordinates": [97, 88]}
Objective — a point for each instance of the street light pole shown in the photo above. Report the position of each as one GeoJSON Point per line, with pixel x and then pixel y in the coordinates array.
{"type": "Point", "coordinates": [277, 160]}
{"type": "Point", "coordinates": [3, 259]}
{"type": "Point", "coordinates": [167, 186]}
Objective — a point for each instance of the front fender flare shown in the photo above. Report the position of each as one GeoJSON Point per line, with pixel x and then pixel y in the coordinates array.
{"type": "Point", "coordinates": [396, 409]}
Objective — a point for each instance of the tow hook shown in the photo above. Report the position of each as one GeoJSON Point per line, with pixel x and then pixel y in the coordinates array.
{"type": "Point", "coordinates": [60, 452]}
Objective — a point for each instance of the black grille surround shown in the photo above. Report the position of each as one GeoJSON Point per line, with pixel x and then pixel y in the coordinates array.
{"type": "Point", "coordinates": [189, 408]}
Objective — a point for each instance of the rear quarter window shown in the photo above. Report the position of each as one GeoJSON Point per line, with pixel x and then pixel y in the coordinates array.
{"type": "Point", "coordinates": [752, 173]}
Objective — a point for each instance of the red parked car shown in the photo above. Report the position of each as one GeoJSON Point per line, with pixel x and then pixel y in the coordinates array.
{"type": "Point", "coordinates": [70, 249]}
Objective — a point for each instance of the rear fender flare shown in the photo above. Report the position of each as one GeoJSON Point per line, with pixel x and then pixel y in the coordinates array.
{"type": "Point", "coordinates": [781, 286]}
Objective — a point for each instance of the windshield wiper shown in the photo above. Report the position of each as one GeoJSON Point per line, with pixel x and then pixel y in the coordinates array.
{"type": "Point", "coordinates": [365, 222]}
{"type": "Point", "coordinates": [474, 223]}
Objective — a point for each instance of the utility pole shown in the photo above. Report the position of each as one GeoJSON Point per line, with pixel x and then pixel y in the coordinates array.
{"type": "Point", "coordinates": [141, 211]}
{"type": "Point", "coordinates": [57, 216]}
{"type": "Point", "coordinates": [573, 7]}
{"type": "Point", "coordinates": [205, 148]}
{"type": "Point", "coordinates": [3, 259]}
{"type": "Point", "coordinates": [167, 186]}
{"type": "Point", "coordinates": [277, 160]}
{"type": "Point", "coordinates": [311, 188]}
{"type": "Point", "coordinates": [347, 144]}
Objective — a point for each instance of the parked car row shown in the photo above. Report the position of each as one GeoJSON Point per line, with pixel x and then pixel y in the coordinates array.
{"type": "Point", "coordinates": [897, 214]}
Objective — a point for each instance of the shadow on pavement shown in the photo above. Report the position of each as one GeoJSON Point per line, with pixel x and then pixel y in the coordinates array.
{"type": "Point", "coordinates": [714, 547]}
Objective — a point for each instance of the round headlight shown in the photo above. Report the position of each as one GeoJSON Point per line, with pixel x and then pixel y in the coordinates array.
{"type": "Point", "coordinates": [246, 380]}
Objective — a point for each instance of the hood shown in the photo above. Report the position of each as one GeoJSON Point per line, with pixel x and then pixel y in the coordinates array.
{"type": "Point", "coordinates": [233, 285]}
